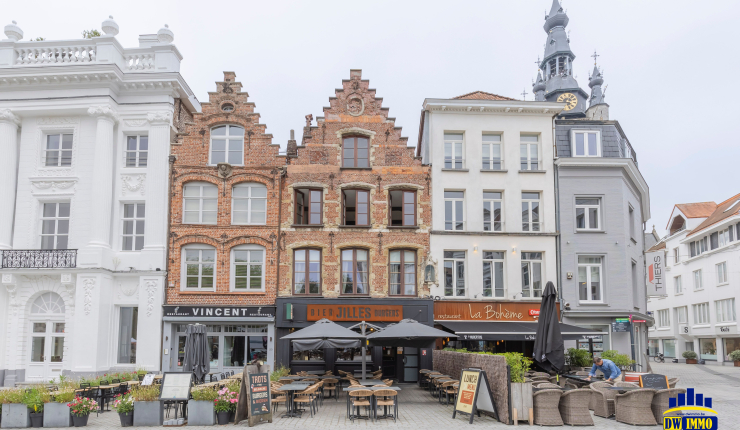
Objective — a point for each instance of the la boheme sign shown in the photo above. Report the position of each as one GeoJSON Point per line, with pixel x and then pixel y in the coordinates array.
{"type": "Point", "coordinates": [355, 312]}
{"type": "Point", "coordinates": [486, 311]}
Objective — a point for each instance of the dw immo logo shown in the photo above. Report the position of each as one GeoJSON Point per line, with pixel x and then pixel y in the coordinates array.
{"type": "Point", "coordinates": [692, 412]}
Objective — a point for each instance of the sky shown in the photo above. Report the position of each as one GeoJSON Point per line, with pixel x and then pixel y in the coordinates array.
{"type": "Point", "coordinates": [668, 65]}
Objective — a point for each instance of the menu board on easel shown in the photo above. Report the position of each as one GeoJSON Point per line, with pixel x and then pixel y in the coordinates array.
{"type": "Point", "coordinates": [474, 395]}
{"type": "Point", "coordinates": [176, 386]}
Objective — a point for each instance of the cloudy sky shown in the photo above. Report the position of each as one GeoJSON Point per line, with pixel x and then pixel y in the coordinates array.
{"type": "Point", "coordinates": [670, 66]}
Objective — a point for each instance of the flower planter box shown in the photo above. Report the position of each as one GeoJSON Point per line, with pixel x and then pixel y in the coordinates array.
{"type": "Point", "coordinates": [201, 413]}
{"type": "Point", "coordinates": [127, 419]}
{"type": "Point", "coordinates": [57, 415]}
{"type": "Point", "coordinates": [223, 417]}
{"type": "Point", "coordinates": [148, 414]}
{"type": "Point", "coordinates": [737, 363]}
{"type": "Point", "coordinates": [80, 420]}
{"type": "Point", "coordinates": [691, 361]}
{"type": "Point", "coordinates": [522, 403]}
{"type": "Point", "coordinates": [15, 415]}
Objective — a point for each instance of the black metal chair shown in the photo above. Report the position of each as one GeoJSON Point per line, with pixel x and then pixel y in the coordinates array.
{"type": "Point", "coordinates": [213, 377]}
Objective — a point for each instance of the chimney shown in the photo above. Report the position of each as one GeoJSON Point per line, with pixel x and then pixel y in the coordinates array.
{"type": "Point", "coordinates": [292, 145]}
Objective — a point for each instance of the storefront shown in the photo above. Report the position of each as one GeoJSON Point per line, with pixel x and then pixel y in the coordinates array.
{"type": "Point", "coordinates": [400, 363]}
{"type": "Point", "coordinates": [236, 335]}
{"type": "Point", "coordinates": [500, 326]}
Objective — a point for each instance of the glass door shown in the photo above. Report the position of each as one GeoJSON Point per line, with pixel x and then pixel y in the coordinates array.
{"type": "Point", "coordinates": [47, 350]}
{"type": "Point", "coordinates": [410, 364]}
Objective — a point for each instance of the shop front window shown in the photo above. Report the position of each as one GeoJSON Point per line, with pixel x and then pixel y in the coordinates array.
{"type": "Point", "coordinates": [669, 348]}
{"type": "Point", "coordinates": [653, 348]}
{"type": "Point", "coordinates": [257, 348]}
{"type": "Point", "coordinates": [234, 351]}
{"type": "Point", "coordinates": [708, 349]}
{"type": "Point", "coordinates": [731, 344]}
{"type": "Point", "coordinates": [309, 355]}
{"type": "Point", "coordinates": [352, 354]}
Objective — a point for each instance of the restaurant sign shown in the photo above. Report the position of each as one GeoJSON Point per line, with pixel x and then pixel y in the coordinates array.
{"type": "Point", "coordinates": [474, 395]}
{"type": "Point", "coordinates": [486, 311]}
{"type": "Point", "coordinates": [355, 312]}
{"type": "Point", "coordinates": [655, 281]}
{"type": "Point", "coordinates": [219, 311]}
{"type": "Point", "coordinates": [259, 393]}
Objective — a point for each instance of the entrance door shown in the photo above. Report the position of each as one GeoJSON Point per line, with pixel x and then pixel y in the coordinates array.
{"type": "Point", "coordinates": [47, 350]}
{"type": "Point", "coordinates": [410, 364]}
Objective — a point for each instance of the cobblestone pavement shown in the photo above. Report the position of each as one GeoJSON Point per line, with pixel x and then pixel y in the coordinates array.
{"type": "Point", "coordinates": [418, 410]}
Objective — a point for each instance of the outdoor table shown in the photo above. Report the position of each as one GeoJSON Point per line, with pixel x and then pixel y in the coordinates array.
{"type": "Point", "coordinates": [370, 382]}
{"type": "Point", "coordinates": [316, 372]}
{"type": "Point", "coordinates": [394, 388]}
{"type": "Point", "coordinates": [290, 389]}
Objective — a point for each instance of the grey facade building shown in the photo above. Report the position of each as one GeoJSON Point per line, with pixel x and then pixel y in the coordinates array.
{"type": "Point", "coordinates": [602, 203]}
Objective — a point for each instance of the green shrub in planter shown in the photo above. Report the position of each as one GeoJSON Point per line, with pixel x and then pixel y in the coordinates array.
{"type": "Point", "coordinates": [689, 355]}
{"type": "Point", "coordinates": [518, 363]}
{"type": "Point", "coordinates": [204, 394]}
{"type": "Point", "coordinates": [279, 372]}
{"type": "Point", "coordinates": [56, 411]}
{"type": "Point", "coordinates": [201, 408]}
{"type": "Point", "coordinates": [14, 412]}
{"type": "Point", "coordinates": [623, 361]}
{"type": "Point", "coordinates": [578, 358]}
{"type": "Point", "coordinates": [735, 355]}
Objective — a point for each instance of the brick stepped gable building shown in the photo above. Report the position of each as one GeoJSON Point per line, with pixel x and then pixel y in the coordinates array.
{"type": "Point", "coordinates": [224, 228]}
{"type": "Point", "coordinates": [355, 212]}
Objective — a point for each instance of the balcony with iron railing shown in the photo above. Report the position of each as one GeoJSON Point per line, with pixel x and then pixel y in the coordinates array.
{"type": "Point", "coordinates": [38, 259]}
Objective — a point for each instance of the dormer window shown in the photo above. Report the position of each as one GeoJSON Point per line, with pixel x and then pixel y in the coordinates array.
{"type": "Point", "coordinates": [356, 151]}
{"type": "Point", "coordinates": [586, 143]}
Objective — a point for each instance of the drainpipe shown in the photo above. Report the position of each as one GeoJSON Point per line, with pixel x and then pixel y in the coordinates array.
{"type": "Point", "coordinates": [172, 159]}
{"type": "Point", "coordinates": [283, 171]}
{"type": "Point", "coordinates": [558, 241]}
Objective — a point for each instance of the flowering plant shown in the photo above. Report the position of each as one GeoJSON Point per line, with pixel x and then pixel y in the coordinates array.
{"type": "Point", "coordinates": [124, 404]}
{"type": "Point", "coordinates": [82, 406]}
{"type": "Point", "coordinates": [226, 400]}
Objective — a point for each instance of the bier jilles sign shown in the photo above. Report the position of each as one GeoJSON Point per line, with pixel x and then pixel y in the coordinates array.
{"type": "Point", "coordinates": [355, 312]}
{"type": "Point", "coordinates": [486, 311]}
{"type": "Point", "coordinates": [474, 395]}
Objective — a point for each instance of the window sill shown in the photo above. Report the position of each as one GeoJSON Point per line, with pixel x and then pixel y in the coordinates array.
{"type": "Point", "coordinates": [585, 230]}
{"type": "Point", "coordinates": [633, 240]}
{"type": "Point", "coordinates": [533, 171]}
{"type": "Point", "coordinates": [678, 294]}
{"type": "Point", "coordinates": [582, 303]}
{"type": "Point", "coordinates": [494, 171]}
{"type": "Point", "coordinates": [197, 223]}
{"type": "Point", "coordinates": [355, 168]}
{"type": "Point", "coordinates": [701, 326]}
{"type": "Point", "coordinates": [663, 328]}
{"type": "Point", "coordinates": [698, 289]}
{"type": "Point", "coordinates": [355, 226]}
{"type": "Point", "coordinates": [307, 225]}
{"type": "Point", "coordinates": [318, 296]}
{"type": "Point", "coordinates": [723, 284]}
{"type": "Point", "coordinates": [402, 227]}
{"type": "Point", "coordinates": [230, 292]}
{"type": "Point", "coordinates": [455, 170]}
{"type": "Point", "coordinates": [726, 324]}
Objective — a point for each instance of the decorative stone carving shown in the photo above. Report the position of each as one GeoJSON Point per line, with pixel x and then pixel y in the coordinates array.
{"type": "Point", "coordinates": [133, 184]}
{"type": "Point", "coordinates": [6, 115]}
{"type": "Point", "coordinates": [88, 284]}
{"type": "Point", "coordinates": [57, 120]}
{"type": "Point", "coordinates": [12, 289]}
{"type": "Point", "coordinates": [430, 270]}
{"type": "Point", "coordinates": [151, 290]}
{"type": "Point", "coordinates": [160, 117]}
{"type": "Point", "coordinates": [109, 26]}
{"type": "Point", "coordinates": [103, 111]}
{"type": "Point", "coordinates": [13, 32]}
{"type": "Point", "coordinates": [128, 290]}
{"type": "Point", "coordinates": [135, 122]}
{"type": "Point", "coordinates": [165, 35]}
{"type": "Point", "coordinates": [53, 185]}
{"type": "Point", "coordinates": [225, 170]}
{"type": "Point", "coordinates": [309, 118]}
{"type": "Point", "coordinates": [8, 278]}
{"type": "Point", "coordinates": [355, 105]}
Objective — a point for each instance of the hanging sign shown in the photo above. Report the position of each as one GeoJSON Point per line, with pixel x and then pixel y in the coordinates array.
{"type": "Point", "coordinates": [474, 395]}
{"type": "Point", "coordinates": [655, 278]}
{"type": "Point", "coordinates": [621, 325]}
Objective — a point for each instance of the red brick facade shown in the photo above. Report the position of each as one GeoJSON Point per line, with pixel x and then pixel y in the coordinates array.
{"type": "Point", "coordinates": [262, 165]}
{"type": "Point", "coordinates": [318, 165]}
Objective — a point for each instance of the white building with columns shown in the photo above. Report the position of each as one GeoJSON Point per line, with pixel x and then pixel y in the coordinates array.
{"type": "Point", "coordinates": [85, 132]}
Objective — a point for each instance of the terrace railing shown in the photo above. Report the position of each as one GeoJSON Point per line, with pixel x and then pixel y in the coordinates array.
{"type": "Point", "coordinates": [39, 258]}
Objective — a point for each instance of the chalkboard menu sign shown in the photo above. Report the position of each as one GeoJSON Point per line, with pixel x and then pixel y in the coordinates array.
{"type": "Point", "coordinates": [654, 381]}
{"type": "Point", "coordinates": [176, 386]}
{"type": "Point", "coordinates": [259, 393]}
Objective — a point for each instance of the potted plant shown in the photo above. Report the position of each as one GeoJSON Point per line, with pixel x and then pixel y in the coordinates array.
{"type": "Point", "coordinates": [224, 404]}
{"type": "Point", "coordinates": [147, 407]}
{"type": "Point", "coordinates": [201, 410]}
{"type": "Point", "coordinates": [14, 412]}
{"type": "Point", "coordinates": [35, 404]}
{"type": "Point", "coordinates": [521, 391]}
{"type": "Point", "coordinates": [56, 411]}
{"type": "Point", "coordinates": [735, 356]}
{"type": "Point", "coordinates": [124, 405]}
{"type": "Point", "coordinates": [579, 359]}
{"type": "Point", "coordinates": [81, 407]}
{"type": "Point", "coordinates": [690, 357]}
{"type": "Point", "coordinates": [235, 387]}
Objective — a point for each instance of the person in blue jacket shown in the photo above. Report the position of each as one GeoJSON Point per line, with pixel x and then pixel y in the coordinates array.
{"type": "Point", "coordinates": [608, 368]}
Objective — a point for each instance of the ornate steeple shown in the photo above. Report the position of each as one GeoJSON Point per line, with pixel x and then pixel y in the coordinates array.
{"type": "Point", "coordinates": [595, 81]}
{"type": "Point", "coordinates": [538, 88]}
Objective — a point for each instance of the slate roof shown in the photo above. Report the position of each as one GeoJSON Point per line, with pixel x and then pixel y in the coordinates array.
{"type": "Point", "coordinates": [724, 210]}
{"type": "Point", "coordinates": [482, 95]}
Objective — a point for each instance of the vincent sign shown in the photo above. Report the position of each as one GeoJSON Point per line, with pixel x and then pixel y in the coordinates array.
{"type": "Point", "coordinates": [655, 281]}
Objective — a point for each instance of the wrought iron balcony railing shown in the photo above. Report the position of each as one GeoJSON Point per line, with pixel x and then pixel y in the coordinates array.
{"type": "Point", "coordinates": [39, 258]}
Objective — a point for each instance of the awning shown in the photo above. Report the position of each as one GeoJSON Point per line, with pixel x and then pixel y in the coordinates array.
{"type": "Point", "coordinates": [497, 330]}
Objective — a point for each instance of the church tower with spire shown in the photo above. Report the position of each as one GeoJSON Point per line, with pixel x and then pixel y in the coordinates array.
{"type": "Point", "coordinates": [557, 66]}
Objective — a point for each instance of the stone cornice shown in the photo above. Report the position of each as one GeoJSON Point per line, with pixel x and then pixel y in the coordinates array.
{"type": "Point", "coordinates": [492, 106]}
{"type": "Point", "coordinates": [7, 116]}
{"type": "Point", "coordinates": [102, 111]}
{"type": "Point", "coordinates": [161, 117]}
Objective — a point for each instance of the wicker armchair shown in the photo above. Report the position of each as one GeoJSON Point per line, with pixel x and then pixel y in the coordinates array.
{"type": "Point", "coordinates": [545, 385]}
{"type": "Point", "coordinates": [634, 407]}
{"type": "Point", "coordinates": [602, 399]}
{"type": "Point", "coordinates": [672, 382]}
{"type": "Point", "coordinates": [574, 407]}
{"type": "Point", "coordinates": [660, 402]}
{"type": "Point", "coordinates": [546, 410]}
{"type": "Point", "coordinates": [625, 384]}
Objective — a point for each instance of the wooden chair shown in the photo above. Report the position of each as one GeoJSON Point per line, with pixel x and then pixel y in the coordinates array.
{"type": "Point", "coordinates": [285, 381]}
{"type": "Point", "coordinates": [330, 387]}
{"type": "Point", "coordinates": [386, 398]}
{"type": "Point", "coordinates": [278, 397]}
{"type": "Point", "coordinates": [359, 399]}
{"type": "Point", "coordinates": [306, 397]}
{"type": "Point", "coordinates": [447, 388]}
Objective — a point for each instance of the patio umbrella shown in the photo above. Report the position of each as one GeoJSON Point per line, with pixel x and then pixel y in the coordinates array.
{"type": "Point", "coordinates": [196, 351]}
{"type": "Point", "coordinates": [407, 332]}
{"type": "Point", "coordinates": [548, 343]}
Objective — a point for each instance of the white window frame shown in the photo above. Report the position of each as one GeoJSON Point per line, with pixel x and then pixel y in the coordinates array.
{"type": "Point", "coordinates": [232, 264]}
{"type": "Point", "coordinates": [228, 138]}
{"type": "Point", "coordinates": [135, 219]}
{"type": "Point", "coordinates": [698, 281]}
{"type": "Point", "coordinates": [528, 161]}
{"type": "Point", "coordinates": [453, 144]}
{"type": "Point", "coordinates": [454, 201]}
{"type": "Point", "coordinates": [677, 284]}
{"type": "Point", "coordinates": [676, 256]}
{"type": "Point", "coordinates": [56, 218]}
{"type": "Point", "coordinates": [454, 261]}
{"type": "Point", "coordinates": [492, 202]}
{"type": "Point", "coordinates": [201, 200]}
{"type": "Point", "coordinates": [632, 223]}
{"type": "Point", "coordinates": [725, 310]}
{"type": "Point", "coordinates": [184, 263]}
{"type": "Point", "coordinates": [531, 224]}
{"type": "Point", "coordinates": [721, 273]}
{"type": "Point", "coordinates": [137, 152]}
{"type": "Point", "coordinates": [682, 315]}
{"type": "Point", "coordinates": [250, 199]}
{"type": "Point", "coordinates": [530, 262]}
{"type": "Point", "coordinates": [487, 147]}
{"type": "Point", "coordinates": [46, 149]}
{"type": "Point", "coordinates": [664, 318]}
{"type": "Point", "coordinates": [701, 313]}
{"type": "Point", "coordinates": [586, 208]}
{"type": "Point", "coordinates": [588, 266]}
{"type": "Point", "coordinates": [585, 134]}
{"type": "Point", "coordinates": [492, 261]}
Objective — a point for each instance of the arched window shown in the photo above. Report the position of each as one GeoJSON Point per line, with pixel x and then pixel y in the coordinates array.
{"type": "Point", "coordinates": [248, 268]}
{"type": "Point", "coordinates": [249, 204]}
{"type": "Point", "coordinates": [198, 267]}
{"type": "Point", "coordinates": [200, 203]}
{"type": "Point", "coordinates": [355, 271]}
{"type": "Point", "coordinates": [48, 303]}
{"type": "Point", "coordinates": [227, 145]}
